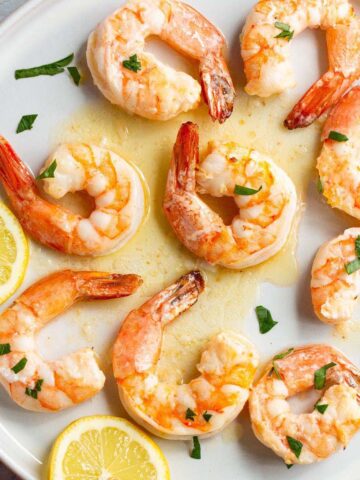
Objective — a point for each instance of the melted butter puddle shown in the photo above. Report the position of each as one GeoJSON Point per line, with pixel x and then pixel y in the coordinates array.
{"type": "Point", "coordinates": [155, 253]}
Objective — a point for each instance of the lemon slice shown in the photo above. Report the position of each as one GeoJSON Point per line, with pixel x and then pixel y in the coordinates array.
{"type": "Point", "coordinates": [106, 448]}
{"type": "Point", "coordinates": [14, 253]}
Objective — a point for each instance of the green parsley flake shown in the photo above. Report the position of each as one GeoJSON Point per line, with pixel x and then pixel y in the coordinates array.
{"type": "Point", "coordinates": [353, 266]}
{"type": "Point", "coordinates": [357, 246]}
{"type": "Point", "coordinates": [132, 63]}
{"type": "Point", "coordinates": [190, 415]}
{"type": "Point", "coordinates": [31, 393]}
{"type": "Point", "coordinates": [34, 392]}
{"type": "Point", "coordinates": [26, 123]}
{"type": "Point", "coordinates": [337, 136]}
{"type": "Point", "coordinates": [49, 172]}
{"type": "Point", "coordinates": [280, 356]}
{"type": "Point", "coordinates": [266, 322]}
{"type": "Point", "coordinates": [5, 348]}
{"type": "Point", "coordinates": [321, 408]}
{"type": "Point", "coordinates": [75, 75]}
{"type": "Point", "coordinates": [295, 446]}
{"type": "Point", "coordinates": [285, 31]}
{"type": "Point", "coordinates": [239, 190]}
{"type": "Point", "coordinates": [320, 375]}
{"type": "Point", "coordinates": [38, 385]}
{"type": "Point", "coordinates": [196, 451]}
{"type": "Point", "coordinates": [207, 416]}
{"type": "Point", "coordinates": [49, 69]}
{"type": "Point", "coordinates": [320, 186]}
{"type": "Point", "coordinates": [19, 366]}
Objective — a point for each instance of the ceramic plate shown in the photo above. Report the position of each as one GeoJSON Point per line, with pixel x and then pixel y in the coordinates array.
{"type": "Point", "coordinates": [44, 31]}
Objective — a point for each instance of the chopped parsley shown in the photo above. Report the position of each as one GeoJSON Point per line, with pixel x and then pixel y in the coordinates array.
{"type": "Point", "coordinates": [196, 451]}
{"type": "Point", "coordinates": [207, 416]}
{"type": "Point", "coordinates": [5, 348]}
{"type": "Point", "coordinates": [266, 322]}
{"type": "Point", "coordinates": [321, 408]}
{"type": "Point", "coordinates": [239, 190]}
{"type": "Point", "coordinates": [279, 356]}
{"type": "Point", "coordinates": [337, 136]}
{"type": "Point", "coordinates": [320, 375]}
{"type": "Point", "coordinates": [49, 172]}
{"type": "Point", "coordinates": [49, 69]}
{"type": "Point", "coordinates": [26, 123]}
{"type": "Point", "coordinates": [353, 266]}
{"type": "Point", "coordinates": [19, 366]}
{"type": "Point", "coordinates": [320, 186]}
{"type": "Point", "coordinates": [132, 63]}
{"type": "Point", "coordinates": [75, 75]}
{"type": "Point", "coordinates": [357, 246]}
{"type": "Point", "coordinates": [190, 415]}
{"type": "Point", "coordinates": [33, 392]}
{"type": "Point", "coordinates": [295, 446]}
{"type": "Point", "coordinates": [285, 31]}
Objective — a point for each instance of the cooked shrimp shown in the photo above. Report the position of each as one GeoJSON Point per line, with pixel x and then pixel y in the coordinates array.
{"type": "Point", "coordinates": [32, 382]}
{"type": "Point", "coordinates": [343, 44]}
{"type": "Point", "coordinates": [335, 282]}
{"type": "Point", "coordinates": [335, 418]}
{"type": "Point", "coordinates": [338, 163]}
{"type": "Point", "coordinates": [206, 404]}
{"type": "Point", "coordinates": [146, 86]}
{"type": "Point", "coordinates": [264, 220]}
{"type": "Point", "coordinates": [265, 49]}
{"type": "Point", "coordinates": [115, 185]}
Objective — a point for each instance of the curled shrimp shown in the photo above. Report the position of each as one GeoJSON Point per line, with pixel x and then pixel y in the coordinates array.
{"type": "Point", "coordinates": [206, 404]}
{"type": "Point", "coordinates": [149, 88]}
{"type": "Point", "coordinates": [115, 185]}
{"type": "Point", "coordinates": [307, 437]}
{"type": "Point", "coordinates": [265, 48]}
{"type": "Point", "coordinates": [264, 220]}
{"type": "Point", "coordinates": [335, 284]}
{"type": "Point", "coordinates": [32, 382]}
{"type": "Point", "coordinates": [338, 164]}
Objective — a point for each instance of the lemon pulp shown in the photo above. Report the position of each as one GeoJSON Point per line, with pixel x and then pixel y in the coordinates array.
{"type": "Point", "coordinates": [106, 448]}
{"type": "Point", "coordinates": [14, 253]}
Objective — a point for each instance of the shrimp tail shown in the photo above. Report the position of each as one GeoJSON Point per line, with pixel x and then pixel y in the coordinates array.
{"type": "Point", "coordinates": [320, 97]}
{"type": "Point", "coordinates": [102, 286]}
{"type": "Point", "coordinates": [186, 156]}
{"type": "Point", "coordinates": [218, 88]}
{"type": "Point", "coordinates": [14, 174]}
{"type": "Point", "coordinates": [138, 344]}
{"type": "Point", "coordinates": [179, 297]}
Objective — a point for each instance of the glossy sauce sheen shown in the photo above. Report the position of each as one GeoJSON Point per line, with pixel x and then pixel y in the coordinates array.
{"type": "Point", "coordinates": [154, 252]}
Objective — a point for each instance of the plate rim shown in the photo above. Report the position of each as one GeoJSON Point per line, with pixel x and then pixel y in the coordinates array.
{"type": "Point", "coordinates": [5, 25]}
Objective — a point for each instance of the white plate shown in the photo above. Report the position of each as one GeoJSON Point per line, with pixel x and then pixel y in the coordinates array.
{"type": "Point", "coordinates": [47, 30]}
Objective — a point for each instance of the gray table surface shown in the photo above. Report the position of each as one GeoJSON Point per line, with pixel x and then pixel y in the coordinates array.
{"type": "Point", "coordinates": [6, 7]}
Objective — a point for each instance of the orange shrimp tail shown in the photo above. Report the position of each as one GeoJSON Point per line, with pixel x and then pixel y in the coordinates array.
{"type": "Point", "coordinates": [141, 332]}
{"type": "Point", "coordinates": [14, 174]}
{"type": "Point", "coordinates": [186, 156]}
{"type": "Point", "coordinates": [321, 96]}
{"type": "Point", "coordinates": [218, 88]}
{"type": "Point", "coordinates": [181, 295]}
{"type": "Point", "coordinates": [102, 286]}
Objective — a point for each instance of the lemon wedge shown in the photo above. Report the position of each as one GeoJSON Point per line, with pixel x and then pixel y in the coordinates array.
{"type": "Point", "coordinates": [14, 253]}
{"type": "Point", "coordinates": [106, 448]}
